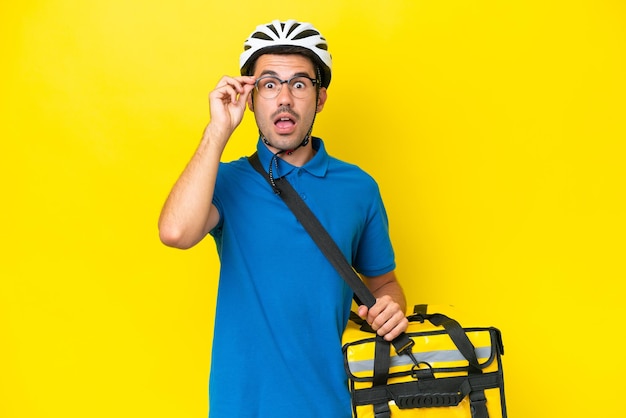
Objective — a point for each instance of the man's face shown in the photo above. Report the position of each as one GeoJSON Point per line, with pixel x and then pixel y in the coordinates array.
{"type": "Point", "coordinates": [285, 120]}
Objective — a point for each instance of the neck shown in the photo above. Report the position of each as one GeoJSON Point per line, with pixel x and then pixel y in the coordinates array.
{"type": "Point", "coordinates": [298, 157]}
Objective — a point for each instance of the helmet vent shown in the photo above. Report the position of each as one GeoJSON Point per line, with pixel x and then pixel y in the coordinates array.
{"type": "Point", "coordinates": [322, 46]}
{"type": "Point", "coordinates": [261, 35]}
{"type": "Point", "coordinates": [293, 27]}
{"type": "Point", "coordinates": [273, 29]}
{"type": "Point", "coordinates": [306, 34]}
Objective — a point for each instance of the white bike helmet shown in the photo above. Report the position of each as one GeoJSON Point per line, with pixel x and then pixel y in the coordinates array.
{"type": "Point", "coordinates": [274, 36]}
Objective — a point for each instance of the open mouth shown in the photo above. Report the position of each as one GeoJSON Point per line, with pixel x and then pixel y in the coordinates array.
{"type": "Point", "coordinates": [284, 123]}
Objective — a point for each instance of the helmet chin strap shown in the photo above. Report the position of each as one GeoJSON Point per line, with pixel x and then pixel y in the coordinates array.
{"type": "Point", "coordinates": [304, 142]}
{"type": "Point", "coordinates": [274, 160]}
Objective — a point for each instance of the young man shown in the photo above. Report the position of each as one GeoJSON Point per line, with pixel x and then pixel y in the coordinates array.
{"type": "Point", "coordinates": [281, 307]}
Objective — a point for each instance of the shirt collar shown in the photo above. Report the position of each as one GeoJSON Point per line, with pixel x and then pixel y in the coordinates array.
{"type": "Point", "coordinates": [317, 166]}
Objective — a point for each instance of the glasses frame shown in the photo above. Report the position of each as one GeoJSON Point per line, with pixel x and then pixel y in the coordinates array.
{"type": "Point", "coordinates": [281, 82]}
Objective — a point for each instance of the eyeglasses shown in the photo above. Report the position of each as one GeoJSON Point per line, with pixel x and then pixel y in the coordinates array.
{"type": "Point", "coordinates": [300, 86]}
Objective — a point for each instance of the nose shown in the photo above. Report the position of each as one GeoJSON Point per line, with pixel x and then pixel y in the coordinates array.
{"type": "Point", "coordinates": [285, 98]}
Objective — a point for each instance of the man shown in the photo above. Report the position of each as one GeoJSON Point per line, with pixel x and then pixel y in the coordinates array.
{"type": "Point", "coordinates": [281, 307]}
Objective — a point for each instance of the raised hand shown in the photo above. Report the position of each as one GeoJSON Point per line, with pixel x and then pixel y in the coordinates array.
{"type": "Point", "coordinates": [228, 104]}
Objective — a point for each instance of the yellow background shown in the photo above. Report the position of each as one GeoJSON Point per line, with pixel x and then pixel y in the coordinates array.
{"type": "Point", "coordinates": [495, 129]}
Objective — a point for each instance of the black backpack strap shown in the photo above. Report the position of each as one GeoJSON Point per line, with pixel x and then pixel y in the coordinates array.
{"type": "Point", "coordinates": [459, 337]}
{"type": "Point", "coordinates": [312, 225]}
{"type": "Point", "coordinates": [327, 245]}
{"type": "Point", "coordinates": [455, 332]}
{"type": "Point", "coordinates": [478, 404]}
{"type": "Point", "coordinates": [382, 362]}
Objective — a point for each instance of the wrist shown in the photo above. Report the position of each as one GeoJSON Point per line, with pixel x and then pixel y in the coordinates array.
{"type": "Point", "coordinates": [216, 137]}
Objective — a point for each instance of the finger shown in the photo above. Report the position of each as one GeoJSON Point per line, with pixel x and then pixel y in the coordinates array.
{"type": "Point", "coordinates": [226, 93]}
{"type": "Point", "coordinates": [382, 311]}
{"type": "Point", "coordinates": [237, 83]}
{"type": "Point", "coordinates": [392, 328]}
{"type": "Point", "coordinates": [378, 321]}
{"type": "Point", "coordinates": [232, 84]}
{"type": "Point", "coordinates": [246, 79]}
{"type": "Point", "coordinates": [375, 311]}
{"type": "Point", "coordinates": [243, 91]}
{"type": "Point", "coordinates": [397, 330]}
{"type": "Point", "coordinates": [385, 321]}
{"type": "Point", "coordinates": [247, 90]}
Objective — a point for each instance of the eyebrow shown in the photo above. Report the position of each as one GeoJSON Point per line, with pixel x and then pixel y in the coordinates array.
{"type": "Point", "coordinates": [275, 74]}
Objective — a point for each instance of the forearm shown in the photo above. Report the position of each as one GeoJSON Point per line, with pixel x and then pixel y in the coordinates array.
{"type": "Point", "coordinates": [387, 285]}
{"type": "Point", "coordinates": [387, 316]}
{"type": "Point", "coordinates": [187, 214]}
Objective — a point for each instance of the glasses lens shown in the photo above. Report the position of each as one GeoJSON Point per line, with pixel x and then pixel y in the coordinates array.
{"type": "Point", "coordinates": [269, 86]}
{"type": "Point", "coordinates": [300, 87]}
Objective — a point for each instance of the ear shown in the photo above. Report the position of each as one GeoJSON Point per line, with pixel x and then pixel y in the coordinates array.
{"type": "Point", "coordinates": [321, 99]}
{"type": "Point", "coordinates": [250, 102]}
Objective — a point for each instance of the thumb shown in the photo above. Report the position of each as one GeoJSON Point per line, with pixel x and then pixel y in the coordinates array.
{"type": "Point", "coordinates": [362, 311]}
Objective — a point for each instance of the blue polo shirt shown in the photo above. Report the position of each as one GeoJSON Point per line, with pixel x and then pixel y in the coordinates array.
{"type": "Point", "coordinates": [281, 306]}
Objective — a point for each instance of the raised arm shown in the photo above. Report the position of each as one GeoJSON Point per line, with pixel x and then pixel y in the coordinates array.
{"type": "Point", "coordinates": [188, 213]}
